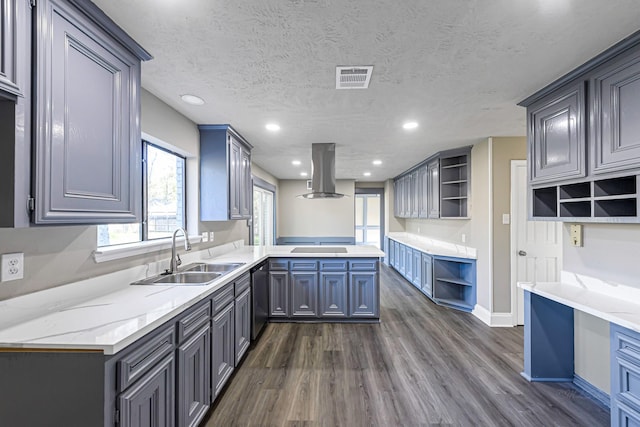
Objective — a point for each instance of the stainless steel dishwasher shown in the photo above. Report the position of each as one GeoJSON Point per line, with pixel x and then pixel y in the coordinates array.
{"type": "Point", "coordinates": [260, 297]}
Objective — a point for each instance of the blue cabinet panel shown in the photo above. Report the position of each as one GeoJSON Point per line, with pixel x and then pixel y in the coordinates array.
{"type": "Point", "coordinates": [625, 376]}
{"type": "Point", "coordinates": [304, 294]}
{"type": "Point", "coordinates": [363, 294]}
{"type": "Point", "coordinates": [333, 294]}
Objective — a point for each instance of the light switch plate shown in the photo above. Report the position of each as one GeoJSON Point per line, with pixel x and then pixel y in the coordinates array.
{"type": "Point", "coordinates": [576, 234]}
{"type": "Point", "coordinates": [12, 266]}
{"type": "Point", "coordinates": [205, 237]}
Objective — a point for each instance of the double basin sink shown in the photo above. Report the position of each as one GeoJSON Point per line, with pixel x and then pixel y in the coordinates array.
{"type": "Point", "coordinates": [196, 274]}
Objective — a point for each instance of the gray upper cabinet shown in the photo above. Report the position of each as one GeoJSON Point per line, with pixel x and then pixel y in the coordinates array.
{"type": "Point", "coordinates": [11, 22]}
{"type": "Point", "coordinates": [556, 135]}
{"type": "Point", "coordinates": [423, 192]}
{"type": "Point", "coordinates": [433, 189]}
{"type": "Point", "coordinates": [225, 174]}
{"type": "Point", "coordinates": [87, 166]}
{"type": "Point", "coordinates": [615, 127]}
{"type": "Point", "coordinates": [414, 194]}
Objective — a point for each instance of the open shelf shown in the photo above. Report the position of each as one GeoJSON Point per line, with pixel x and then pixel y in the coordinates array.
{"type": "Point", "coordinates": [615, 186]}
{"type": "Point", "coordinates": [575, 209]}
{"type": "Point", "coordinates": [575, 191]}
{"type": "Point", "coordinates": [616, 207]}
{"type": "Point", "coordinates": [545, 202]}
{"type": "Point", "coordinates": [454, 282]}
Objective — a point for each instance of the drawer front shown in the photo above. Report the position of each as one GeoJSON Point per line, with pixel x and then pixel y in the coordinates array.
{"type": "Point", "coordinates": [629, 377]}
{"type": "Point", "coordinates": [242, 284]}
{"type": "Point", "coordinates": [194, 320]}
{"type": "Point", "coordinates": [333, 265]}
{"type": "Point", "coordinates": [363, 265]}
{"type": "Point", "coordinates": [626, 415]}
{"type": "Point", "coordinates": [627, 344]}
{"type": "Point", "coordinates": [278, 264]}
{"type": "Point", "coordinates": [222, 298]}
{"type": "Point", "coordinates": [146, 356]}
{"type": "Point", "coordinates": [303, 264]}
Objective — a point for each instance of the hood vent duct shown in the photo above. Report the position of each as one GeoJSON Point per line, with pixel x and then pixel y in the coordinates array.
{"type": "Point", "coordinates": [323, 172]}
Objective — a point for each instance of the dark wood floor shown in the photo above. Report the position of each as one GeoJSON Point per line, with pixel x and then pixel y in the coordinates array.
{"type": "Point", "coordinates": [421, 365]}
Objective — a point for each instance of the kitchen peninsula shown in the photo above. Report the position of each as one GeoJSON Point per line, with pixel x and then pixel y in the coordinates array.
{"type": "Point", "coordinates": [98, 352]}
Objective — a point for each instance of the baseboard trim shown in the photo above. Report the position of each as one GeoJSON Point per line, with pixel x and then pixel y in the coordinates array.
{"type": "Point", "coordinates": [592, 390]}
{"type": "Point", "coordinates": [545, 380]}
{"type": "Point", "coordinates": [495, 320]}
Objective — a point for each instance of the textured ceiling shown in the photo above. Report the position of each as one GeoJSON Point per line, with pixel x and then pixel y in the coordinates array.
{"type": "Point", "coordinates": [458, 67]}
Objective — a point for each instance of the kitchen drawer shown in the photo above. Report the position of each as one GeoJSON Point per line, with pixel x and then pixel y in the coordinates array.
{"type": "Point", "coordinates": [242, 284]}
{"type": "Point", "coordinates": [222, 298]}
{"type": "Point", "coordinates": [278, 264]}
{"type": "Point", "coordinates": [193, 320]}
{"type": "Point", "coordinates": [363, 265]}
{"type": "Point", "coordinates": [147, 354]}
{"type": "Point", "coordinates": [627, 415]}
{"type": "Point", "coordinates": [303, 264]}
{"type": "Point", "coordinates": [333, 265]}
{"type": "Point", "coordinates": [626, 343]}
{"type": "Point", "coordinates": [628, 379]}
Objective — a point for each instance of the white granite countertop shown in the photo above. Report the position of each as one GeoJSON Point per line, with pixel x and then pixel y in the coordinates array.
{"type": "Point", "coordinates": [433, 246]}
{"type": "Point", "coordinates": [107, 314]}
{"type": "Point", "coordinates": [613, 302]}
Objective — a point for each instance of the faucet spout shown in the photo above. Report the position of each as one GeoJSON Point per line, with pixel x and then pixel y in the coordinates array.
{"type": "Point", "coordinates": [175, 258]}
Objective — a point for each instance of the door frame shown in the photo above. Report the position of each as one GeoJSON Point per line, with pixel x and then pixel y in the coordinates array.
{"type": "Point", "coordinates": [513, 231]}
{"type": "Point", "coordinates": [261, 183]}
{"type": "Point", "coordinates": [380, 192]}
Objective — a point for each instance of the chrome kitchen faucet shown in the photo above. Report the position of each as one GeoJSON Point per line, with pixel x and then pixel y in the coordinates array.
{"type": "Point", "coordinates": [175, 258]}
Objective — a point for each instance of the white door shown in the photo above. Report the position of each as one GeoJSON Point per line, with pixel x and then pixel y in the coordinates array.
{"type": "Point", "coordinates": [263, 217]}
{"type": "Point", "coordinates": [536, 246]}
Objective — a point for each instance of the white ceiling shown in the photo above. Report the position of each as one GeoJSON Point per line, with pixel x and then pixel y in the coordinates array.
{"type": "Point", "coordinates": [458, 67]}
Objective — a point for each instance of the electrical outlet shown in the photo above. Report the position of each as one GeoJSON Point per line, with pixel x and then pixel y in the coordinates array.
{"type": "Point", "coordinates": [463, 237]}
{"type": "Point", "coordinates": [12, 267]}
{"type": "Point", "coordinates": [205, 237]}
{"type": "Point", "coordinates": [576, 234]}
{"type": "Point", "coordinates": [211, 235]}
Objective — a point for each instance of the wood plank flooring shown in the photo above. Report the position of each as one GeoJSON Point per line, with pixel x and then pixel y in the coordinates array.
{"type": "Point", "coordinates": [422, 365]}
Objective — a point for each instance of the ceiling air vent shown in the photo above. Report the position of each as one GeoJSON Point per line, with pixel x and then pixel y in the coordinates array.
{"type": "Point", "coordinates": [353, 77]}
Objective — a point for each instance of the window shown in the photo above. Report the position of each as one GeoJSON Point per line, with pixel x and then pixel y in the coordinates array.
{"type": "Point", "coordinates": [263, 216]}
{"type": "Point", "coordinates": [163, 200]}
{"type": "Point", "coordinates": [368, 219]}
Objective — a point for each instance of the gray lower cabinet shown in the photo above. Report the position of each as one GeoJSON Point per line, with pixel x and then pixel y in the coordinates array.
{"type": "Point", "coordinates": [222, 348]}
{"type": "Point", "coordinates": [615, 122]}
{"type": "Point", "coordinates": [193, 392]}
{"type": "Point", "coordinates": [408, 263]}
{"type": "Point", "coordinates": [363, 294]}
{"type": "Point", "coordinates": [150, 401]}
{"type": "Point", "coordinates": [279, 293]}
{"type": "Point", "coordinates": [333, 294]}
{"type": "Point", "coordinates": [402, 259]}
{"type": "Point", "coordinates": [426, 284]}
{"type": "Point", "coordinates": [416, 264]}
{"type": "Point", "coordinates": [242, 325]}
{"type": "Point", "coordinates": [304, 293]}
{"type": "Point", "coordinates": [87, 157]}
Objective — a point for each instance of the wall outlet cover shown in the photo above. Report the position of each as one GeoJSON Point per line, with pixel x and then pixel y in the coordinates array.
{"type": "Point", "coordinates": [576, 234]}
{"type": "Point", "coordinates": [12, 266]}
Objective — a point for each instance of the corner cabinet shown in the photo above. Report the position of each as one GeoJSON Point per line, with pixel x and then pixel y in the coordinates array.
{"type": "Point", "coordinates": [439, 187]}
{"type": "Point", "coordinates": [584, 154]}
{"type": "Point", "coordinates": [87, 159]}
{"type": "Point", "coordinates": [225, 174]}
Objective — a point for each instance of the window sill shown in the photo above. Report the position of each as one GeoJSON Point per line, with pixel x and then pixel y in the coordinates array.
{"type": "Point", "coordinates": [111, 253]}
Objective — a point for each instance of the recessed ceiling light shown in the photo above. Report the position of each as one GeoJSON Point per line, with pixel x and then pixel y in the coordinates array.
{"type": "Point", "coordinates": [192, 99]}
{"type": "Point", "coordinates": [296, 162]}
{"type": "Point", "coordinates": [367, 174]}
{"type": "Point", "coordinates": [410, 125]}
{"type": "Point", "coordinates": [377, 162]}
{"type": "Point", "coordinates": [303, 174]}
{"type": "Point", "coordinates": [273, 127]}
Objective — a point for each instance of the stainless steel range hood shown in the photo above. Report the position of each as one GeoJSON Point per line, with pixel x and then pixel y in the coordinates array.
{"type": "Point", "coordinates": [323, 172]}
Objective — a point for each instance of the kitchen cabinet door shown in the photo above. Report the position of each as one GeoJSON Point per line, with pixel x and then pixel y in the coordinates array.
{"type": "Point", "coordinates": [87, 121]}
{"type": "Point", "coordinates": [363, 294]}
{"type": "Point", "coordinates": [423, 192]}
{"type": "Point", "coordinates": [426, 284]}
{"type": "Point", "coordinates": [408, 264]}
{"type": "Point", "coordinates": [246, 185]}
{"type": "Point", "coordinates": [12, 20]}
{"type": "Point", "coordinates": [223, 348]}
{"type": "Point", "coordinates": [304, 294]}
{"type": "Point", "coordinates": [402, 259]}
{"type": "Point", "coordinates": [150, 401]}
{"type": "Point", "coordinates": [194, 378]}
{"type": "Point", "coordinates": [417, 268]}
{"type": "Point", "coordinates": [615, 128]}
{"type": "Point", "coordinates": [433, 190]}
{"type": "Point", "coordinates": [414, 194]}
{"type": "Point", "coordinates": [333, 294]}
{"type": "Point", "coordinates": [279, 293]}
{"type": "Point", "coordinates": [556, 136]}
{"type": "Point", "coordinates": [235, 179]}
{"type": "Point", "coordinates": [243, 325]}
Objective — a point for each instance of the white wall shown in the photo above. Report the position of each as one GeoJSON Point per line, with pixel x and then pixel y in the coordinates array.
{"type": "Point", "coordinates": [610, 252]}
{"type": "Point", "coordinates": [298, 217]}
{"type": "Point", "coordinates": [56, 255]}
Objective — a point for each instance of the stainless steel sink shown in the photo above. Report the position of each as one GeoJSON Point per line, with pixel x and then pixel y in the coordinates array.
{"type": "Point", "coordinates": [223, 267]}
{"type": "Point", "coordinates": [196, 274]}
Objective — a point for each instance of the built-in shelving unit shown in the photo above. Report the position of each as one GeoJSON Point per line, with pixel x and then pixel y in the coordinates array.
{"type": "Point", "coordinates": [454, 282]}
{"type": "Point", "coordinates": [454, 186]}
{"type": "Point", "coordinates": [601, 199]}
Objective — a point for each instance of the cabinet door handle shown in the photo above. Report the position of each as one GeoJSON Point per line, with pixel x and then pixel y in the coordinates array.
{"type": "Point", "coordinates": [522, 253]}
